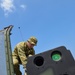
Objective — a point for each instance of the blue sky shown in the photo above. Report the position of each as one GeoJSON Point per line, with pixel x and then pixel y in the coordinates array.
{"type": "Point", "coordinates": [52, 22]}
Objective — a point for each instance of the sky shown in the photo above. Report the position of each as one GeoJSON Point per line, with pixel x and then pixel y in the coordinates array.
{"type": "Point", "coordinates": [52, 22]}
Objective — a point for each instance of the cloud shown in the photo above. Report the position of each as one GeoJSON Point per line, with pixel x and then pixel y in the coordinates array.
{"type": "Point", "coordinates": [7, 6]}
{"type": "Point", "coordinates": [23, 6]}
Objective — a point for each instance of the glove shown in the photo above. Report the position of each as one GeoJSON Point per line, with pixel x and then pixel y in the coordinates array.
{"type": "Point", "coordinates": [29, 55]}
{"type": "Point", "coordinates": [25, 72]}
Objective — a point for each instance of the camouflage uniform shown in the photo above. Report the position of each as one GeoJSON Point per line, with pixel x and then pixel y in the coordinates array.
{"type": "Point", "coordinates": [20, 55]}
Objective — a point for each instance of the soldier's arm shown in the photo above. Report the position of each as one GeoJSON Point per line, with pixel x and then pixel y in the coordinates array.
{"type": "Point", "coordinates": [22, 56]}
{"type": "Point", "coordinates": [32, 53]}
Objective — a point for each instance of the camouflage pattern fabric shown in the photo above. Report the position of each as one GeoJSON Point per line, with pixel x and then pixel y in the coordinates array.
{"type": "Point", "coordinates": [21, 52]}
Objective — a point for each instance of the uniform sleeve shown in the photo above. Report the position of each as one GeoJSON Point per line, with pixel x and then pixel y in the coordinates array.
{"type": "Point", "coordinates": [32, 52]}
{"type": "Point", "coordinates": [22, 56]}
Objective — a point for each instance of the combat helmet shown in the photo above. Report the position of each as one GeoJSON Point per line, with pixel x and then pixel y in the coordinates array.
{"type": "Point", "coordinates": [32, 40]}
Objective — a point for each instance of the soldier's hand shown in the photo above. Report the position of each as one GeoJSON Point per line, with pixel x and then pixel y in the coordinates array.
{"type": "Point", "coordinates": [30, 55]}
{"type": "Point", "coordinates": [25, 72]}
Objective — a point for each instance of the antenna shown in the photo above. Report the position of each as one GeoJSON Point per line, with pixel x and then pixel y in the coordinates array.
{"type": "Point", "coordinates": [21, 33]}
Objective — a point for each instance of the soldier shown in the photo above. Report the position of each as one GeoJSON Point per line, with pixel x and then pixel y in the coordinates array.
{"type": "Point", "coordinates": [21, 52]}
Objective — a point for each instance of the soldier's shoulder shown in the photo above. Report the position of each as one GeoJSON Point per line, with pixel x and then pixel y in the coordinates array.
{"type": "Point", "coordinates": [20, 44]}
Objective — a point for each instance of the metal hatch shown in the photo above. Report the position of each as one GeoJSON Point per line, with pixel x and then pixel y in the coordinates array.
{"type": "Point", "coordinates": [6, 65]}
